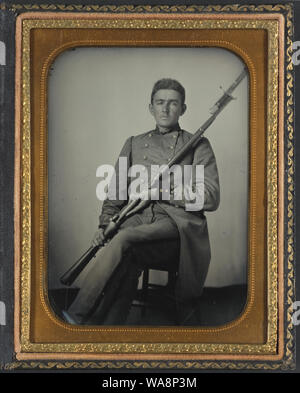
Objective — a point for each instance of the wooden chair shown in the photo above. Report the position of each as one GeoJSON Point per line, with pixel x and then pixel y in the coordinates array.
{"type": "Point", "coordinates": [150, 259]}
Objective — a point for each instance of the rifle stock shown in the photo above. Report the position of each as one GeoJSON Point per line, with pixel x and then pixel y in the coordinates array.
{"type": "Point", "coordinates": [73, 272]}
{"type": "Point", "coordinates": [70, 276]}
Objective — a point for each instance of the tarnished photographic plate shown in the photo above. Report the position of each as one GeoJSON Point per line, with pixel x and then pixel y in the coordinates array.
{"type": "Point", "coordinates": [83, 78]}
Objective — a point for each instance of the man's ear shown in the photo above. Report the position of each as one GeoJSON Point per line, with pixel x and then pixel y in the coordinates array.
{"type": "Point", "coordinates": [183, 109]}
{"type": "Point", "coordinates": [151, 109]}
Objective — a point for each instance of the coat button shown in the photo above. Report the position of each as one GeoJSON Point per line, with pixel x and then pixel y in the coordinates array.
{"type": "Point", "coordinates": [145, 157]}
{"type": "Point", "coordinates": [150, 135]}
{"type": "Point", "coordinates": [146, 145]}
{"type": "Point", "coordinates": [171, 147]}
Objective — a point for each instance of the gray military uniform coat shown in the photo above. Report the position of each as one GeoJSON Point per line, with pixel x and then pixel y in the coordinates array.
{"type": "Point", "coordinates": [155, 148]}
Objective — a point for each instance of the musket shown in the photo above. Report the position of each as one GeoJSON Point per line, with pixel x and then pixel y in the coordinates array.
{"type": "Point", "coordinates": [137, 204]}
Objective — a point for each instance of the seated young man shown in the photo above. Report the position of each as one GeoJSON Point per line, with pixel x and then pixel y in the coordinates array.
{"type": "Point", "coordinates": [169, 219]}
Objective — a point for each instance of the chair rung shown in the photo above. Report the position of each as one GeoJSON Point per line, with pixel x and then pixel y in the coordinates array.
{"type": "Point", "coordinates": [138, 305]}
{"type": "Point", "coordinates": [156, 285]}
{"type": "Point", "coordinates": [143, 305]}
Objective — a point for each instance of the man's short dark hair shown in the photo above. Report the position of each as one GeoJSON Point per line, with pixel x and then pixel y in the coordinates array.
{"type": "Point", "coordinates": [170, 84]}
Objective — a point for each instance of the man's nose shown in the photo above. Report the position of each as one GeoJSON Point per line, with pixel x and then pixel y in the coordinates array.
{"type": "Point", "coordinates": [166, 108]}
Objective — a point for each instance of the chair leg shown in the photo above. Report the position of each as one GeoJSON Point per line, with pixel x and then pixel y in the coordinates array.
{"type": "Point", "coordinates": [145, 290]}
{"type": "Point", "coordinates": [171, 281]}
{"type": "Point", "coordinates": [172, 276]}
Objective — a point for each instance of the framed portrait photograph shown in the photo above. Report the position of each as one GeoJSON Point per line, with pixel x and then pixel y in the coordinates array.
{"type": "Point", "coordinates": [153, 187]}
{"type": "Point", "coordinates": [72, 184]}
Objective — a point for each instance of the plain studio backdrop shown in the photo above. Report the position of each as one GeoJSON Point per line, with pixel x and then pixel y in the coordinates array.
{"type": "Point", "coordinates": [98, 97]}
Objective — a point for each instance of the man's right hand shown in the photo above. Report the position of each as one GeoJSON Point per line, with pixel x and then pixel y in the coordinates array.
{"type": "Point", "coordinates": [98, 239]}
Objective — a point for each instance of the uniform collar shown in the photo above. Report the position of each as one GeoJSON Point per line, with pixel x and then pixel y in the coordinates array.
{"type": "Point", "coordinates": [175, 128]}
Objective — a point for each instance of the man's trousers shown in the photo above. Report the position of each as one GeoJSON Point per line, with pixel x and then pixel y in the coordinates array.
{"type": "Point", "coordinates": [111, 282]}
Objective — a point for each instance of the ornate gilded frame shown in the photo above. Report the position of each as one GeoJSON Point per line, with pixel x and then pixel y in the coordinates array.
{"type": "Point", "coordinates": [275, 351]}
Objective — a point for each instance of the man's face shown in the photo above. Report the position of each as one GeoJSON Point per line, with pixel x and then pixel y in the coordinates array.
{"type": "Point", "coordinates": [167, 108]}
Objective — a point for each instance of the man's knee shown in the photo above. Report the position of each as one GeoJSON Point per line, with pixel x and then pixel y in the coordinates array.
{"type": "Point", "coordinates": [123, 239]}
